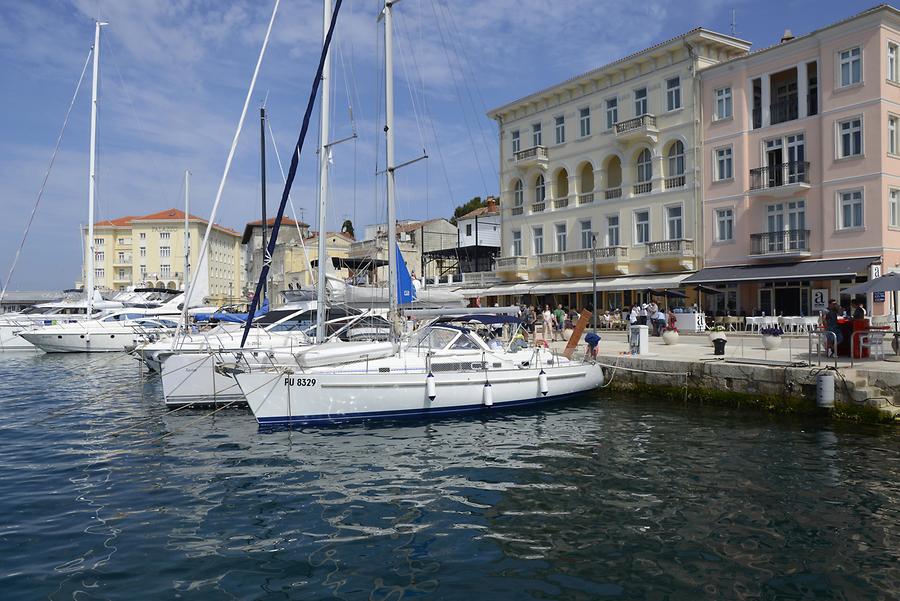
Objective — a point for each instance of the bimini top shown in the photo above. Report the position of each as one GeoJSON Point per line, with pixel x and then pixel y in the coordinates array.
{"type": "Point", "coordinates": [486, 319]}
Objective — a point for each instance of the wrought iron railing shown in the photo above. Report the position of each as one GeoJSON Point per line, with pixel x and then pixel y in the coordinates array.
{"type": "Point", "coordinates": [779, 243]}
{"type": "Point", "coordinates": [783, 110]}
{"type": "Point", "coordinates": [795, 172]}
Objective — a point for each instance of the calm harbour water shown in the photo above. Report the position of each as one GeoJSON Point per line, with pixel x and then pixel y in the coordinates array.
{"type": "Point", "coordinates": [603, 498]}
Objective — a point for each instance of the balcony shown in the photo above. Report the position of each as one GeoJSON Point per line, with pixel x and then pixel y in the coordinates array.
{"type": "Point", "coordinates": [664, 249]}
{"type": "Point", "coordinates": [560, 203]}
{"type": "Point", "coordinates": [538, 207]}
{"type": "Point", "coordinates": [536, 155]}
{"type": "Point", "coordinates": [579, 262]}
{"type": "Point", "coordinates": [676, 181]}
{"type": "Point", "coordinates": [480, 278]}
{"type": "Point", "coordinates": [585, 199]}
{"type": "Point", "coordinates": [780, 180]}
{"type": "Point", "coordinates": [611, 193]}
{"type": "Point", "coordinates": [124, 260]}
{"type": "Point", "coordinates": [783, 110]}
{"type": "Point", "coordinates": [787, 243]}
{"type": "Point", "coordinates": [519, 210]}
{"type": "Point", "coordinates": [512, 264]}
{"type": "Point", "coordinates": [638, 128]}
{"type": "Point", "coordinates": [643, 188]}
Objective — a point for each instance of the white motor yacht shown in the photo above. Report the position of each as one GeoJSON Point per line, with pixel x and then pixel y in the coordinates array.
{"type": "Point", "coordinates": [69, 309]}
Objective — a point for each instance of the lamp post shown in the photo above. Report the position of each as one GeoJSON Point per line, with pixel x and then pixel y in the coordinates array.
{"type": "Point", "coordinates": [594, 278]}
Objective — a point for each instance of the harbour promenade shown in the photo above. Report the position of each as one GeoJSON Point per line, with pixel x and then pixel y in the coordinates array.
{"type": "Point", "coordinates": [782, 380]}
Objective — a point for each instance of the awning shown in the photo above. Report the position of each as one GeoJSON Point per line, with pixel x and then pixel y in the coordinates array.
{"type": "Point", "coordinates": [800, 270]}
{"type": "Point", "coordinates": [633, 282]}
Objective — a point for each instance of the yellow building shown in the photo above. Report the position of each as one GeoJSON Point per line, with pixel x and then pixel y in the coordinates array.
{"type": "Point", "coordinates": [149, 251]}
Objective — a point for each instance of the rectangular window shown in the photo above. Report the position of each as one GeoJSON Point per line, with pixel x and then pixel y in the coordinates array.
{"type": "Point", "coordinates": [165, 270]}
{"type": "Point", "coordinates": [121, 241]}
{"type": "Point", "coordinates": [143, 235]}
{"type": "Point", "coordinates": [143, 271]}
{"type": "Point", "coordinates": [165, 251]}
{"type": "Point", "coordinates": [850, 137]}
{"type": "Point", "coordinates": [723, 103]}
{"type": "Point", "coordinates": [99, 256]}
{"type": "Point", "coordinates": [584, 120]}
{"type": "Point", "coordinates": [165, 235]}
{"type": "Point", "coordinates": [98, 241]}
{"type": "Point", "coordinates": [587, 234]}
{"type": "Point", "coordinates": [99, 274]}
{"type": "Point", "coordinates": [894, 208]}
{"type": "Point", "coordinates": [851, 67]}
{"type": "Point", "coordinates": [468, 229]}
{"type": "Point", "coordinates": [674, 229]}
{"type": "Point", "coordinates": [892, 135]}
{"type": "Point", "coordinates": [724, 225]}
{"type": "Point", "coordinates": [892, 71]}
{"type": "Point", "coordinates": [560, 129]}
{"type": "Point", "coordinates": [516, 144]}
{"type": "Point", "coordinates": [561, 237]}
{"type": "Point", "coordinates": [612, 230]}
{"type": "Point", "coordinates": [851, 209]}
{"type": "Point", "coordinates": [641, 227]}
{"type": "Point", "coordinates": [812, 88]}
{"type": "Point", "coordinates": [517, 243]}
{"type": "Point", "coordinates": [673, 93]}
{"type": "Point", "coordinates": [122, 274]}
{"type": "Point", "coordinates": [536, 136]}
{"type": "Point", "coordinates": [640, 102]}
{"type": "Point", "coordinates": [537, 238]}
{"type": "Point", "coordinates": [612, 112]}
{"type": "Point", "coordinates": [121, 257]}
{"type": "Point", "coordinates": [143, 251]}
{"type": "Point", "coordinates": [724, 164]}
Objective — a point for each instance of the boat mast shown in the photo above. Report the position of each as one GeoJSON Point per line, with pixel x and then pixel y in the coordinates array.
{"type": "Point", "coordinates": [262, 179]}
{"type": "Point", "coordinates": [187, 231]}
{"type": "Point", "coordinates": [324, 109]}
{"type": "Point", "coordinates": [389, 135]}
{"type": "Point", "coordinates": [92, 185]}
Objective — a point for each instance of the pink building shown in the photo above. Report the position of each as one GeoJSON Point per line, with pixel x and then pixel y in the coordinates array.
{"type": "Point", "coordinates": [801, 190]}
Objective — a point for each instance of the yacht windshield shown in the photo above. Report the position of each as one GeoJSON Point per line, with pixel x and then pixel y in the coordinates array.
{"type": "Point", "coordinates": [432, 338]}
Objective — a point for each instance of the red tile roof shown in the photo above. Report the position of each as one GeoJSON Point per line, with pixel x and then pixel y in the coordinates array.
{"type": "Point", "coordinates": [167, 215]}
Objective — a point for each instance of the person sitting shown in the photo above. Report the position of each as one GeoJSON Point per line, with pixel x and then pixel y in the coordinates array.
{"type": "Point", "coordinates": [518, 342]}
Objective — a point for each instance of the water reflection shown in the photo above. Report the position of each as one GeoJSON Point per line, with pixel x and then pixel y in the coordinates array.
{"type": "Point", "coordinates": [600, 498]}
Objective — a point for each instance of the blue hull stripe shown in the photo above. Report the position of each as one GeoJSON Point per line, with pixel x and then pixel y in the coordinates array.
{"type": "Point", "coordinates": [302, 420]}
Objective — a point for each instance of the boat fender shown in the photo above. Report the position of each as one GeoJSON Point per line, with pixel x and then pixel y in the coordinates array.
{"type": "Point", "coordinates": [487, 395]}
{"type": "Point", "coordinates": [542, 383]}
{"type": "Point", "coordinates": [430, 386]}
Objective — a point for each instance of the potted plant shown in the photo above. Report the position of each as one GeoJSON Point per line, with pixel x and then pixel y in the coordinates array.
{"type": "Point", "coordinates": [771, 337]}
{"type": "Point", "coordinates": [716, 333]}
{"type": "Point", "coordinates": [670, 334]}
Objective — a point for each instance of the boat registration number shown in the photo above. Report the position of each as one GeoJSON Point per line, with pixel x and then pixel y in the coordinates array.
{"type": "Point", "coordinates": [299, 381]}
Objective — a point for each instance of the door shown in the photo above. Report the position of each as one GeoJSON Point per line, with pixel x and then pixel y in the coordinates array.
{"type": "Point", "coordinates": [796, 222]}
{"type": "Point", "coordinates": [774, 160]}
{"type": "Point", "coordinates": [775, 228]}
{"type": "Point", "coordinates": [796, 168]}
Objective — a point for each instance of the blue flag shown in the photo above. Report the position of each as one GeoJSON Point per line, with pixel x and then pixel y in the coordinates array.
{"type": "Point", "coordinates": [406, 292]}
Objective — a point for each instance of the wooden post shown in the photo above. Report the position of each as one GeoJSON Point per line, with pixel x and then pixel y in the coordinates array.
{"type": "Point", "coordinates": [575, 338]}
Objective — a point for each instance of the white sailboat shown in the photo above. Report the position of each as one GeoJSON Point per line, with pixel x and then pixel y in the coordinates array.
{"type": "Point", "coordinates": [441, 369]}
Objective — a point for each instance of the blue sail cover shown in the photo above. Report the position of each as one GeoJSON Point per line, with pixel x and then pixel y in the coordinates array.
{"type": "Point", "coordinates": [406, 292]}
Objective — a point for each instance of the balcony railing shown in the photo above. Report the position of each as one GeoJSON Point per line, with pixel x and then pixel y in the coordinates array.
{"type": "Point", "coordinates": [643, 188]}
{"type": "Point", "coordinates": [551, 258]}
{"type": "Point", "coordinates": [581, 257]}
{"type": "Point", "coordinates": [611, 252]}
{"type": "Point", "coordinates": [663, 248]}
{"type": "Point", "coordinates": [512, 263]}
{"type": "Point", "coordinates": [538, 207]}
{"type": "Point", "coordinates": [783, 110]}
{"type": "Point", "coordinates": [560, 203]}
{"type": "Point", "coordinates": [611, 193]}
{"type": "Point", "coordinates": [676, 181]}
{"type": "Point", "coordinates": [535, 153]}
{"type": "Point", "coordinates": [584, 199]}
{"type": "Point", "coordinates": [779, 243]}
{"type": "Point", "coordinates": [795, 172]}
{"type": "Point", "coordinates": [517, 210]}
{"type": "Point", "coordinates": [635, 123]}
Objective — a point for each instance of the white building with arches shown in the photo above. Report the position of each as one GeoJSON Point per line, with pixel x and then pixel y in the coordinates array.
{"type": "Point", "coordinates": [600, 174]}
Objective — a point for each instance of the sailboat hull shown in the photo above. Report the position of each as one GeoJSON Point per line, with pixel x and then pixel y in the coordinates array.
{"type": "Point", "coordinates": [278, 397]}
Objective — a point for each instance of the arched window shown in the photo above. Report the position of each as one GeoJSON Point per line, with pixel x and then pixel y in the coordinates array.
{"type": "Point", "coordinates": [540, 190]}
{"type": "Point", "coordinates": [644, 167]}
{"type": "Point", "coordinates": [676, 159]}
{"type": "Point", "coordinates": [518, 194]}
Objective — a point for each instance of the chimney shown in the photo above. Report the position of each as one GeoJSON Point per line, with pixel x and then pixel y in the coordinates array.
{"type": "Point", "coordinates": [787, 37]}
{"type": "Point", "coordinates": [491, 204]}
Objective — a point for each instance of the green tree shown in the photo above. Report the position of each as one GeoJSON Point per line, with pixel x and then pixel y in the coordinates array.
{"type": "Point", "coordinates": [468, 207]}
{"type": "Point", "coordinates": [347, 228]}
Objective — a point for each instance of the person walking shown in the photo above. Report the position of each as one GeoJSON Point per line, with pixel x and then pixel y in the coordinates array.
{"type": "Point", "coordinates": [559, 315]}
{"type": "Point", "coordinates": [547, 319]}
{"type": "Point", "coordinates": [831, 325]}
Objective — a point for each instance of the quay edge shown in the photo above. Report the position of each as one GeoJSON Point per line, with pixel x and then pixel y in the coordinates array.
{"type": "Point", "coordinates": [862, 395]}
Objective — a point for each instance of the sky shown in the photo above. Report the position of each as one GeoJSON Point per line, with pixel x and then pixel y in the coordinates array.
{"type": "Point", "coordinates": [174, 74]}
